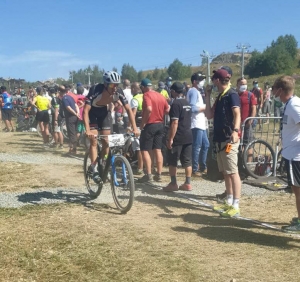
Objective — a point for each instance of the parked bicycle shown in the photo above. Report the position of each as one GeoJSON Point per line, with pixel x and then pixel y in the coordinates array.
{"type": "Point", "coordinates": [25, 119]}
{"type": "Point", "coordinates": [259, 158]}
{"type": "Point", "coordinates": [117, 167]}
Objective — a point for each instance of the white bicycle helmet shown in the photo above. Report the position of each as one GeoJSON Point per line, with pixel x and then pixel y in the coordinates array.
{"type": "Point", "coordinates": [111, 77]}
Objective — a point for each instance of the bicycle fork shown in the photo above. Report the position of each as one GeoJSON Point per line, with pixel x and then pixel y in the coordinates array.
{"type": "Point", "coordinates": [124, 178]}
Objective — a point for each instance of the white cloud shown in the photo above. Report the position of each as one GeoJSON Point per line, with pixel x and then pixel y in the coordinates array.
{"type": "Point", "coordinates": [52, 64]}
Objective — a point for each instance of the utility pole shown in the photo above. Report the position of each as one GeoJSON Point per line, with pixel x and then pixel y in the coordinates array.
{"type": "Point", "coordinates": [89, 75]}
{"type": "Point", "coordinates": [208, 58]}
{"type": "Point", "coordinates": [243, 47]}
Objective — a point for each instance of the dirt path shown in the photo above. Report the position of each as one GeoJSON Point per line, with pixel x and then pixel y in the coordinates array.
{"type": "Point", "coordinates": [163, 238]}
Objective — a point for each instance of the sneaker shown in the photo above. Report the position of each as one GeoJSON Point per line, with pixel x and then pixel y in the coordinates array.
{"type": "Point", "coordinates": [139, 172]}
{"type": "Point", "coordinates": [61, 146]}
{"type": "Point", "coordinates": [222, 208]}
{"type": "Point", "coordinates": [185, 187]}
{"type": "Point", "coordinates": [53, 145]}
{"type": "Point", "coordinates": [171, 187]}
{"type": "Point", "coordinates": [157, 178]}
{"type": "Point", "coordinates": [196, 174]}
{"type": "Point", "coordinates": [293, 228]}
{"type": "Point", "coordinates": [231, 212]}
{"type": "Point", "coordinates": [46, 145]}
{"type": "Point", "coordinates": [204, 172]}
{"type": "Point", "coordinates": [91, 169]}
{"type": "Point", "coordinates": [146, 178]}
{"type": "Point", "coordinates": [5, 129]}
{"type": "Point", "coordinates": [12, 130]}
{"type": "Point", "coordinates": [221, 197]}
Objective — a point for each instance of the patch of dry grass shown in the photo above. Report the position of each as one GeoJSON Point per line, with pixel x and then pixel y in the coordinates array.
{"type": "Point", "coordinates": [188, 243]}
{"type": "Point", "coordinates": [17, 177]}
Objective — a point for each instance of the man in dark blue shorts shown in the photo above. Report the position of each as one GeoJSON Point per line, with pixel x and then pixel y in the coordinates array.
{"type": "Point", "coordinates": [97, 111]}
{"type": "Point", "coordinates": [180, 139]}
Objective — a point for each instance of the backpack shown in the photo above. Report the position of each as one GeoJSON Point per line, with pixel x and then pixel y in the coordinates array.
{"type": "Point", "coordinates": [254, 123]}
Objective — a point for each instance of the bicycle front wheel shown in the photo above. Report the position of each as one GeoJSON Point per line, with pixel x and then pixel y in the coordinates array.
{"type": "Point", "coordinates": [92, 179]}
{"type": "Point", "coordinates": [122, 183]}
{"type": "Point", "coordinates": [259, 159]}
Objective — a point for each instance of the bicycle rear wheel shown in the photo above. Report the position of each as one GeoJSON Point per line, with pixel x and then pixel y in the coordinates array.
{"type": "Point", "coordinates": [92, 179]}
{"type": "Point", "coordinates": [122, 183]}
{"type": "Point", "coordinates": [259, 159]}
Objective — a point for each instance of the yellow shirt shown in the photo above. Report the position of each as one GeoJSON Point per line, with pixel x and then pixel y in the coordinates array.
{"type": "Point", "coordinates": [164, 93]}
{"type": "Point", "coordinates": [42, 103]}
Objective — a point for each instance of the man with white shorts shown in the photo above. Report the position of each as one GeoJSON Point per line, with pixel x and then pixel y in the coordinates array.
{"type": "Point", "coordinates": [283, 90]}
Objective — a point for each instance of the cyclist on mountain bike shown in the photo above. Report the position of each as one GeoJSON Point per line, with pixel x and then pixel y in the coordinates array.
{"type": "Point", "coordinates": [97, 111]}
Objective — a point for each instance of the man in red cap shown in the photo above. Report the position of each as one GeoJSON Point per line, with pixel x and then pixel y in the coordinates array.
{"type": "Point", "coordinates": [227, 119]}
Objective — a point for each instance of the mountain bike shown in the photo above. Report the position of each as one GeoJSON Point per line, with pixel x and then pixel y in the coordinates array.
{"type": "Point", "coordinates": [121, 175]}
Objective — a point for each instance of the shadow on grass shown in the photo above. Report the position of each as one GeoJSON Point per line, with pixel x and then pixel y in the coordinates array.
{"type": "Point", "coordinates": [65, 196]}
{"type": "Point", "coordinates": [37, 198]}
{"type": "Point", "coordinates": [227, 234]}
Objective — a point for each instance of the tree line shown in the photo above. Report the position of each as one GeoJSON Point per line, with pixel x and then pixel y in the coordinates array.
{"type": "Point", "coordinates": [280, 57]}
{"type": "Point", "coordinates": [93, 74]}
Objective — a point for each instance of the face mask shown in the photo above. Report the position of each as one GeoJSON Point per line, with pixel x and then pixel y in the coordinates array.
{"type": "Point", "coordinates": [243, 88]}
{"type": "Point", "coordinates": [201, 83]}
{"type": "Point", "coordinates": [169, 83]}
{"type": "Point", "coordinates": [215, 88]}
{"type": "Point", "coordinates": [255, 85]}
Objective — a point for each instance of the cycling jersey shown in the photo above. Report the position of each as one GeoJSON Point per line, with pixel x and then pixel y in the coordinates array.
{"type": "Point", "coordinates": [99, 116]}
{"type": "Point", "coordinates": [42, 103]}
{"type": "Point", "coordinates": [6, 100]}
{"type": "Point", "coordinates": [95, 95]}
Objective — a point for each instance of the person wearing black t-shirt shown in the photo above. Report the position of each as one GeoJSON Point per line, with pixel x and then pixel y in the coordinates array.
{"type": "Point", "coordinates": [180, 139]}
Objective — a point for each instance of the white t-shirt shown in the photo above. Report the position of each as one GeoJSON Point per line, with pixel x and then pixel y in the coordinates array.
{"type": "Point", "coordinates": [85, 92]}
{"type": "Point", "coordinates": [134, 104]}
{"type": "Point", "coordinates": [128, 95]}
{"type": "Point", "coordinates": [195, 100]}
{"type": "Point", "coordinates": [291, 130]}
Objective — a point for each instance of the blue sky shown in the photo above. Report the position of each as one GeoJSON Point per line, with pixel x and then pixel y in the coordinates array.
{"type": "Point", "coordinates": [44, 39]}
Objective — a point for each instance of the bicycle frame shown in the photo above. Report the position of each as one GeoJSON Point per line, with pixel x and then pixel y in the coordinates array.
{"type": "Point", "coordinates": [110, 161]}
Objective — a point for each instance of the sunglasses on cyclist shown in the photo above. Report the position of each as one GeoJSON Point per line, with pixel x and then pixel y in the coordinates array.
{"type": "Point", "coordinates": [112, 85]}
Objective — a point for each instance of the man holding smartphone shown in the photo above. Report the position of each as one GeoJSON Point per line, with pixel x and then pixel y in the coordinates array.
{"type": "Point", "coordinates": [227, 119]}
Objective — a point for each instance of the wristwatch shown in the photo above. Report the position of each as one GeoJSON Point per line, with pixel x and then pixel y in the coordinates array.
{"type": "Point", "coordinates": [236, 129]}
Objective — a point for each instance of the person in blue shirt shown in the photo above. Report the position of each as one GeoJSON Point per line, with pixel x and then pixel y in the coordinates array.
{"type": "Point", "coordinates": [6, 109]}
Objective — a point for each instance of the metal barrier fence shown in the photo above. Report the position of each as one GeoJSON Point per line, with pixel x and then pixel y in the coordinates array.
{"type": "Point", "coordinates": [267, 129]}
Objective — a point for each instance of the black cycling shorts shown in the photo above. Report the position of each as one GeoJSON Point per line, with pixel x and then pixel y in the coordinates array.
{"type": "Point", "coordinates": [151, 136]}
{"type": "Point", "coordinates": [100, 121]}
{"type": "Point", "coordinates": [6, 114]}
{"type": "Point", "coordinates": [43, 116]}
{"type": "Point", "coordinates": [182, 152]}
